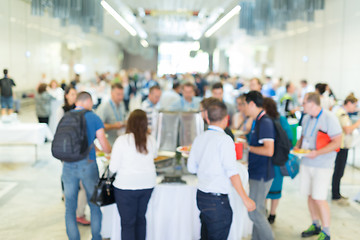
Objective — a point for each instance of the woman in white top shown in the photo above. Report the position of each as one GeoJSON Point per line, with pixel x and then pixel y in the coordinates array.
{"type": "Point", "coordinates": [132, 159]}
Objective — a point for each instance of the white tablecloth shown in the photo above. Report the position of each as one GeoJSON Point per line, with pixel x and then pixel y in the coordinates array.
{"type": "Point", "coordinates": [173, 214]}
{"type": "Point", "coordinates": [24, 133]}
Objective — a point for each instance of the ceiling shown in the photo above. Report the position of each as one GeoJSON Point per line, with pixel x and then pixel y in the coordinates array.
{"type": "Point", "coordinates": [167, 20]}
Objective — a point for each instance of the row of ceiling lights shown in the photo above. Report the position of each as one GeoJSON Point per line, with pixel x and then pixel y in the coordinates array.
{"type": "Point", "coordinates": [143, 35]}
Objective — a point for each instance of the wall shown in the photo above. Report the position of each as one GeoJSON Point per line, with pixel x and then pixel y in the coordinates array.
{"type": "Point", "coordinates": [326, 50]}
{"type": "Point", "coordinates": [31, 46]}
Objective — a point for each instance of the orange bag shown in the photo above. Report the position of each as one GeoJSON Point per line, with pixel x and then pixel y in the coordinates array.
{"type": "Point", "coordinates": [323, 139]}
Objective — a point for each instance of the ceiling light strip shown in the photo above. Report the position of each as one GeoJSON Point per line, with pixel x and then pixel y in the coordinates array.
{"type": "Point", "coordinates": [144, 43]}
{"type": "Point", "coordinates": [118, 18]}
{"type": "Point", "coordinates": [222, 21]}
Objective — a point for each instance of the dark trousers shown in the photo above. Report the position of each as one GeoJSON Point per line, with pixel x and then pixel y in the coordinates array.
{"type": "Point", "coordinates": [132, 206]}
{"type": "Point", "coordinates": [339, 169]}
{"type": "Point", "coordinates": [43, 120]}
{"type": "Point", "coordinates": [215, 215]}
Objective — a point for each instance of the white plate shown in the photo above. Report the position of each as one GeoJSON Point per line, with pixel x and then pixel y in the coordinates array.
{"type": "Point", "coordinates": [300, 155]}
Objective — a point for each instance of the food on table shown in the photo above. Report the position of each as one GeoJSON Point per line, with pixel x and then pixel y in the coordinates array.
{"type": "Point", "coordinates": [185, 149]}
{"type": "Point", "coordinates": [301, 151]}
{"type": "Point", "coordinates": [161, 158]}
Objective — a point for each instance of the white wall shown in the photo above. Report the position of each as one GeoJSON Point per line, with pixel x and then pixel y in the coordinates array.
{"type": "Point", "coordinates": [331, 43]}
{"type": "Point", "coordinates": [53, 49]}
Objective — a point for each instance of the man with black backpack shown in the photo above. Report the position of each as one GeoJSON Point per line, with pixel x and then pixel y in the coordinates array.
{"type": "Point", "coordinates": [261, 170]}
{"type": "Point", "coordinates": [73, 144]}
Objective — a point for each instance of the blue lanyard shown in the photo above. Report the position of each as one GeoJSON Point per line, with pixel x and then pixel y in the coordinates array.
{"type": "Point", "coordinates": [261, 114]}
{"type": "Point", "coordinates": [117, 115]}
{"type": "Point", "coordinates": [307, 125]}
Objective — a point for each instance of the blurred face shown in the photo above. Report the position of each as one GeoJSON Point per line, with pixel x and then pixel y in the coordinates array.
{"type": "Point", "coordinates": [53, 85]}
{"type": "Point", "coordinates": [154, 96]}
{"type": "Point", "coordinates": [188, 93]}
{"type": "Point", "coordinates": [254, 85]}
{"type": "Point", "coordinates": [240, 105]}
{"type": "Point", "coordinates": [307, 105]}
{"type": "Point", "coordinates": [291, 88]}
{"type": "Point", "coordinates": [71, 96]}
{"type": "Point", "coordinates": [117, 95]}
{"type": "Point", "coordinates": [217, 93]}
{"type": "Point", "coordinates": [351, 107]}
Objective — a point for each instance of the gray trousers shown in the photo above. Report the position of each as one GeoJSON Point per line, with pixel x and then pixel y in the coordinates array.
{"type": "Point", "coordinates": [258, 191]}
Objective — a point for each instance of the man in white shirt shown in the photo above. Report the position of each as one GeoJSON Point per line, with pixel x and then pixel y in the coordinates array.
{"type": "Point", "coordinates": [170, 97]}
{"type": "Point", "coordinates": [213, 159]}
{"type": "Point", "coordinates": [149, 105]}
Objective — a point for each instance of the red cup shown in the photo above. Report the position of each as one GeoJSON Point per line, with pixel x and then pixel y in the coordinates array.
{"type": "Point", "coordinates": [239, 150]}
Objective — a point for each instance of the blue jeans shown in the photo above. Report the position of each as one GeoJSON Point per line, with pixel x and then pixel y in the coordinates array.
{"type": "Point", "coordinates": [132, 206]}
{"type": "Point", "coordinates": [215, 215]}
{"type": "Point", "coordinates": [88, 173]}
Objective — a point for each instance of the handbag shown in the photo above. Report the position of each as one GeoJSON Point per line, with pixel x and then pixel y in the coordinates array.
{"type": "Point", "coordinates": [291, 167]}
{"type": "Point", "coordinates": [104, 191]}
{"type": "Point", "coordinates": [323, 139]}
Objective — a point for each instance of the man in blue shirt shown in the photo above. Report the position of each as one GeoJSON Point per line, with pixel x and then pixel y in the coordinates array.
{"type": "Point", "coordinates": [86, 171]}
{"type": "Point", "coordinates": [261, 170]}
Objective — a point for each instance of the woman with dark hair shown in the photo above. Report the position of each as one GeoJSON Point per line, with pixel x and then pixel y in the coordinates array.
{"type": "Point", "coordinates": [132, 159]}
{"type": "Point", "coordinates": [43, 103]}
{"type": "Point", "coordinates": [69, 102]}
{"type": "Point", "coordinates": [276, 187]}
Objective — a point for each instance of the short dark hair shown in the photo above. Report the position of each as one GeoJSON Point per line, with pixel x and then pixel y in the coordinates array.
{"type": "Point", "coordinates": [176, 85]}
{"type": "Point", "coordinates": [321, 87]}
{"type": "Point", "coordinates": [288, 84]}
{"type": "Point", "coordinates": [83, 96]}
{"type": "Point", "coordinates": [256, 97]}
{"type": "Point", "coordinates": [216, 111]}
{"type": "Point", "coordinates": [154, 87]}
{"type": "Point", "coordinates": [189, 84]}
{"type": "Point", "coordinates": [313, 97]}
{"type": "Point", "coordinates": [42, 88]}
{"type": "Point", "coordinates": [304, 81]}
{"type": "Point", "coordinates": [217, 85]}
{"type": "Point", "coordinates": [116, 85]}
{"type": "Point", "coordinates": [206, 102]}
{"type": "Point", "coordinates": [5, 71]}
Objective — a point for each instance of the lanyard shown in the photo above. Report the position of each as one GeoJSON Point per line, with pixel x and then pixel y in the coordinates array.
{"type": "Point", "coordinates": [117, 115]}
{"type": "Point", "coordinates": [261, 114]}
{"type": "Point", "coordinates": [307, 125]}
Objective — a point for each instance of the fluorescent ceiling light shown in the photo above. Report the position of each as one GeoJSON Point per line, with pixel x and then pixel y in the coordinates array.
{"type": "Point", "coordinates": [222, 21]}
{"type": "Point", "coordinates": [144, 43]}
{"type": "Point", "coordinates": [118, 18]}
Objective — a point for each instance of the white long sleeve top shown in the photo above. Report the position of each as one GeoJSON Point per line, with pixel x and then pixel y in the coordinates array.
{"type": "Point", "coordinates": [134, 170]}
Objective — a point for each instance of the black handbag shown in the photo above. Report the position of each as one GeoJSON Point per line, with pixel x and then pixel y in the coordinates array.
{"type": "Point", "coordinates": [104, 191]}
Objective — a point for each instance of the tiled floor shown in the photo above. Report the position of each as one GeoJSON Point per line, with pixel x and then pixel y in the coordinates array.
{"type": "Point", "coordinates": [31, 206]}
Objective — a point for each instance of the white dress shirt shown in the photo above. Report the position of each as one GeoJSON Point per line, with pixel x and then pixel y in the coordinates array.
{"type": "Point", "coordinates": [213, 159]}
{"type": "Point", "coordinates": [134, 170]}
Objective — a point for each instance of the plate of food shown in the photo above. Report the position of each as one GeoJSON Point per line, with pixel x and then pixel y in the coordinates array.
{"type": "Point", "coordinates": [300, 152]}
{"type": "Point", "coordinates": [184, 149]}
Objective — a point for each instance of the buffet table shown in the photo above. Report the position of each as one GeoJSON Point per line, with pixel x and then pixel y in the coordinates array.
{"type": "Point", "coordinates": [173, 214]}
{"type": "Point", "coordinates": [24, 134]}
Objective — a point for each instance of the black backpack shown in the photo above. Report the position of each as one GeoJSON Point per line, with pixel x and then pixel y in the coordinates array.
{"type": "Point", "coordinates": [282, 144]}
{"type": "Point", "coordinates": [70, 142]}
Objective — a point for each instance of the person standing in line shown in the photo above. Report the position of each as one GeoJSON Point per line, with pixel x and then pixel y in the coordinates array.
{"type": "Point", "coordinates": [261, 169]}
{"type": "Point", "coordinates": [69, 104]}
{"type": "Point", "coordinates": [349, 106]}
{"type": "Point", "coordinates": [276, 186]}
{"type": "Point", "coordinates": [6, 85]}
{"type": "Point", "coordinates": [188, 102]}
{"type": "Point", "coordinates": [150, 105]}
{"type": "Point", "coordinates": [212, 158]}
{"type": "Point", "coordinates": [317, 167]}
{"type": "Point", "coordinates": [86, 171]}
{"type": "Point", "coordinates": [43, 103]}
{"type": "Point", "coordinates": [132, 160]}
{"type": "Point", "coordinates": [113, 113]}
{"type": "Point", "coordinates": [217, 91]}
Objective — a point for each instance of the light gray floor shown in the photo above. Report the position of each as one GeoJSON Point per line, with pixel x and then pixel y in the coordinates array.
{"type": "Point", "coordinates": [31, 206]}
